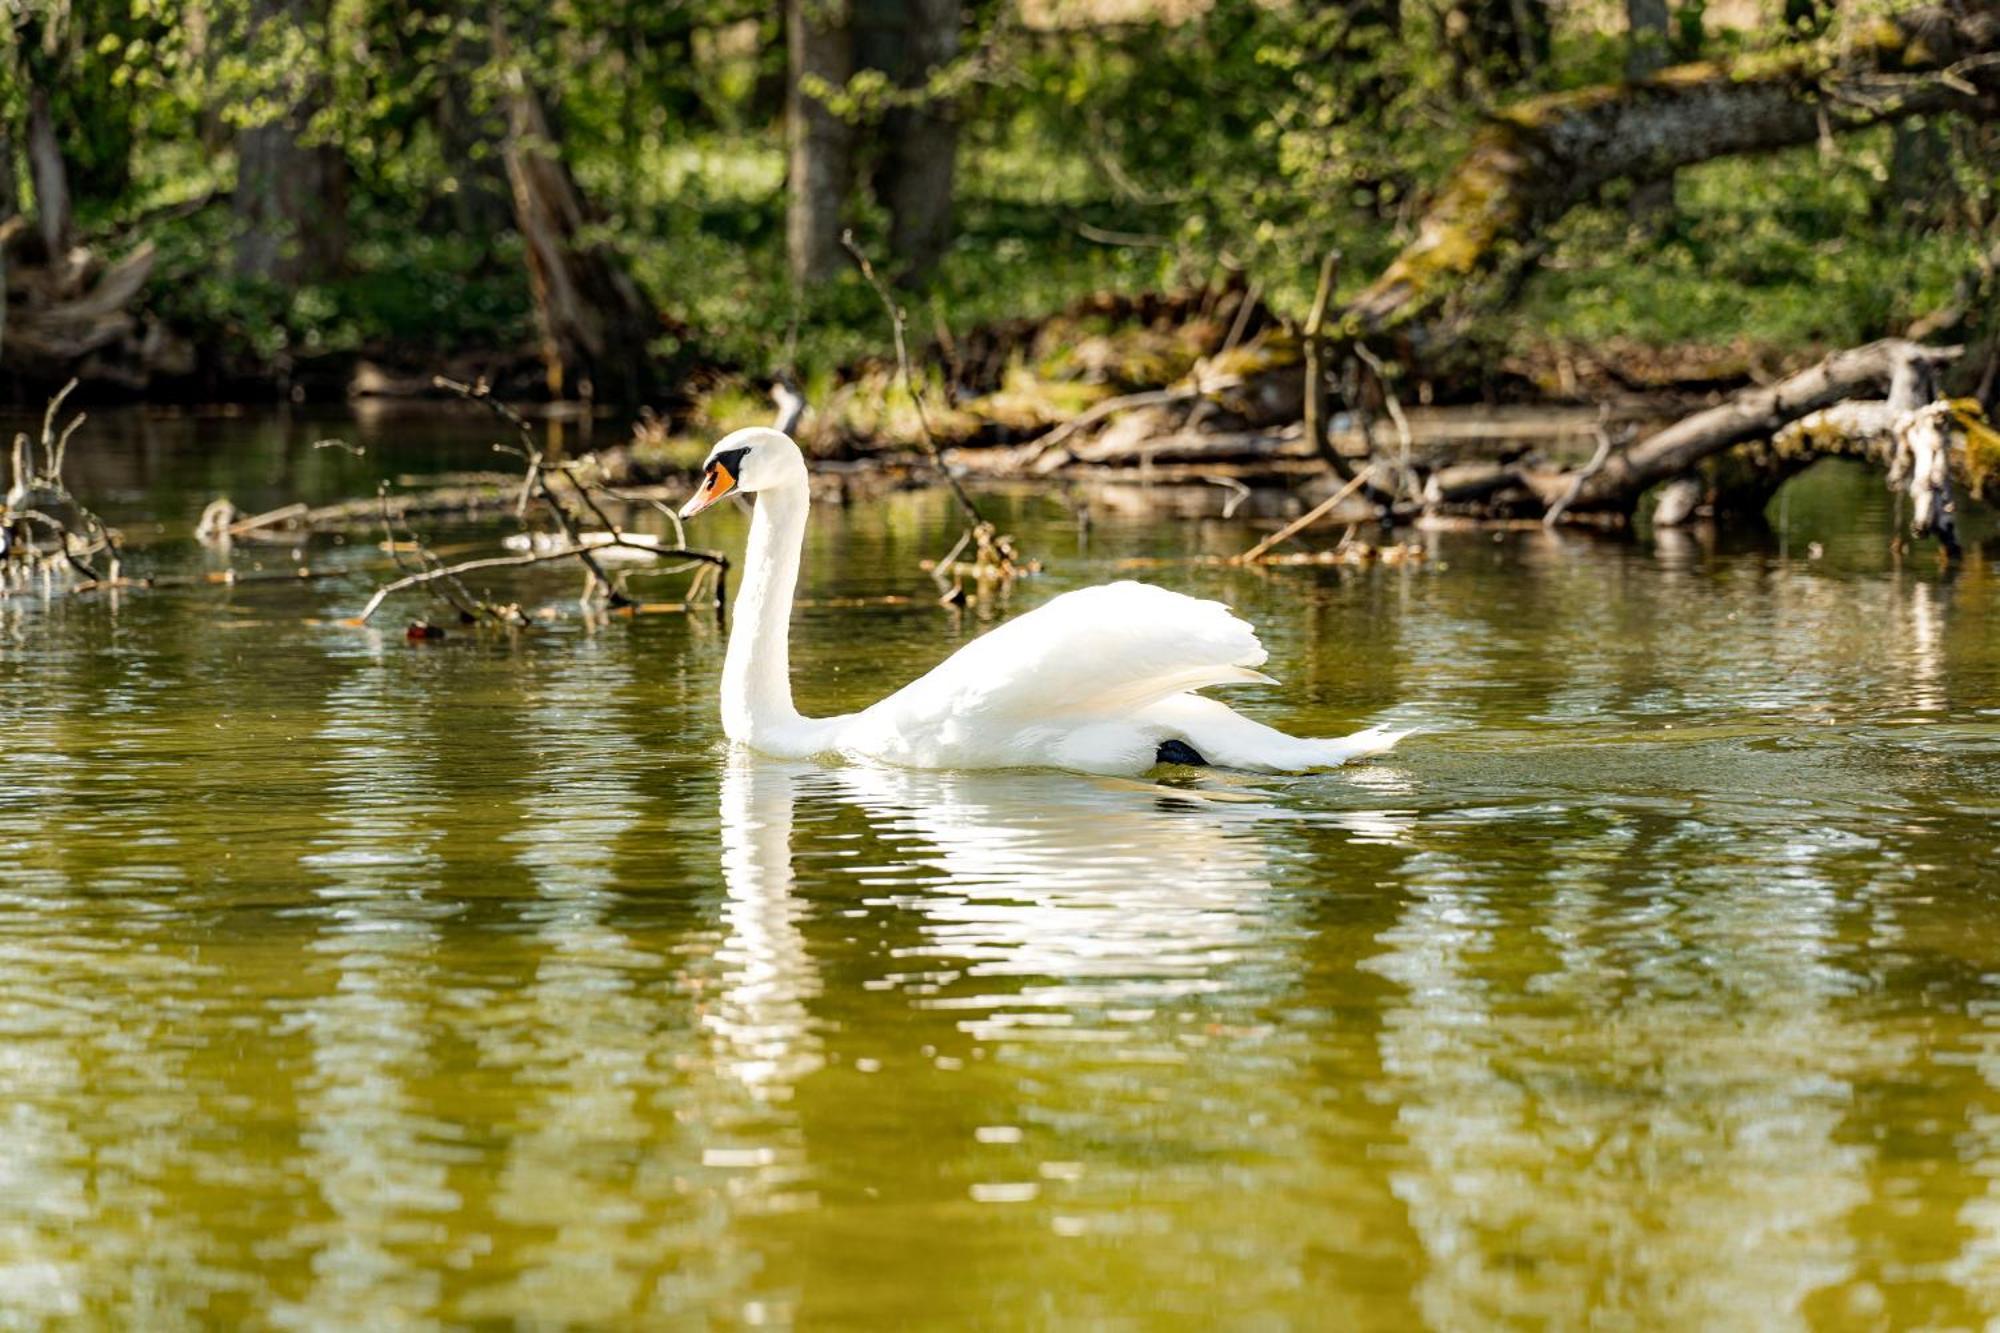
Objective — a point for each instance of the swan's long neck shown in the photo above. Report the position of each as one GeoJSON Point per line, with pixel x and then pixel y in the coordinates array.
{"type": "Point", "coordinates": [756, 669]}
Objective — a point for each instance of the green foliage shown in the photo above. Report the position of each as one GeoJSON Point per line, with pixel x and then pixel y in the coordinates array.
{"type": "Point", "coordinates": [1786, 251]}
{"type": "Point", "coordinates": [1103, 155]}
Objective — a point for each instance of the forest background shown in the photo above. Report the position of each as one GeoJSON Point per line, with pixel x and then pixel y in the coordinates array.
{"type": "Point", "coordinates": [644, 202]}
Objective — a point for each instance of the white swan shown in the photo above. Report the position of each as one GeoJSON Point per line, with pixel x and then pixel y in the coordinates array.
{"type": "Point", "coordinates": [1100, 680]}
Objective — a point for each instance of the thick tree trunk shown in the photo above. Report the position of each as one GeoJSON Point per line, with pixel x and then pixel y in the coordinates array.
{"type": "Point", "coordinates": [51, 177]}
{"type": "Point", "coordinates": [10, 195]}
{"type": "Point", "coordinates": [291, 206]}
{"type": "Point", "coordinates": [1540, 159]}
{"type": "Point", "coordinates": [923, 144]}
{"type": "Point", "coordinates": [595, 324]}
{"type": "Point", "coordinates": [291, 197]}
{"type": "Point", "coordinates": [1645, 56]}
{"type": "Point", "coordinates": [819, 47]}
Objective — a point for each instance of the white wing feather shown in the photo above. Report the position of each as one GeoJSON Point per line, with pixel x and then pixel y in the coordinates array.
{"type": "Point", "coordinates": [1096, 652]}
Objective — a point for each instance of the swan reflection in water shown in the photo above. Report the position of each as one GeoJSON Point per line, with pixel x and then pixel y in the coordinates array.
{"type": "Point", "coordinates": [1085, 891]}
{"type": "Point", "coordinates": [1005, 989]}
{"type": "Point", "coordinates": [1031, 896]}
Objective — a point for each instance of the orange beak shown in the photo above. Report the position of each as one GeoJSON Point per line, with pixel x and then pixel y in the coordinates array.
{"type": "Point", "coordinates": [717, 482]}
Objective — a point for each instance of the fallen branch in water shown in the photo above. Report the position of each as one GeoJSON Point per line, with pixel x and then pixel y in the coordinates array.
{"type": "Point", "coordinates": [996, 558]}
{"type": "Point", "coordinates": [423, 578]}
{"type": "Point", "coordinates": [1304, 521]}
{"type": "Point", "coordinates": [584, 547]}
{"type": "Point", "coordinates": [1750, 415]}
{"type": "Point", "coordinates": [43, 526]}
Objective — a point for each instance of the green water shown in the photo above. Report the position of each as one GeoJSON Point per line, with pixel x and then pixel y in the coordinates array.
{"type": "Point", "coordinates": [351, 984]}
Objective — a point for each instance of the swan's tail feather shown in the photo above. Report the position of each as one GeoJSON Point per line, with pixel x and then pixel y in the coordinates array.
{"type": "Point", "coordinates": [1226, 738]}
{"type": "Point", "coordinates": [1361, 744]}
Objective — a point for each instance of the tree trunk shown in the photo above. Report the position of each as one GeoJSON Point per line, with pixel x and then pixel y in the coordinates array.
{"type": "Point", "coordinates": [10, 195]}
{"type": "Point", "coordinates": [1542, 158]}
{"type": "Point", "coordinates": [291, 205]}
{"type": "Point", "coordinates": [51, 177]}
{"type": "Point", "coordinates": [1645, 55]}
{"type": "Point", "coordinates": [922, 144]}
{"type": "Point", "coordinates": [1753, 414]}
{"type": "Point", "coordinates": [819, 47]}
{"type": "Point", "coordinates": [595, 325]}
{"type": "Point", "coordinates": [291, 198]}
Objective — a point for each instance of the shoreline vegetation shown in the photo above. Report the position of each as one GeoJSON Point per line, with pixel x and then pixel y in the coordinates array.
{"type": "Point", "coordinates": [1497, 263]}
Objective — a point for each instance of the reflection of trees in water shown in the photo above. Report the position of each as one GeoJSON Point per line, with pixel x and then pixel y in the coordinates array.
{"type": "Point", "coordinates": [1626, 1055]}
{"type": "Point", "coordinates": [1639, 1090]}
{"type": "Point", "coordinates": [43, 1191]}
{"type": "Point", "coordinates": [109, 1129]}
{"type": "Point", "coordinates": [611, 1194]}
{"type": "Point", "coordinates": [1662, 1031]}
{"type": "Point", "coordinates": [1624, 1094]}
{"type": "Point", "coordinates": [379, 1166]}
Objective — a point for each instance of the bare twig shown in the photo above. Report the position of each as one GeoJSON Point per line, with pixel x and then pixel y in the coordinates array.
{"type": "Point", "coordinates": [536, 484]}
{"type": "Point", "coordinates": [481, 392]}
{"type": "Point", "coordinates": [424, 577]}
{"type": "Point", "coordinates": [996, 552]}
{"type": "Point", "coordinates": [1302, 522]}
{"type": "Point", "coordinates": [1097, 412]}
{"type": "Point", "coordinates": [1238, 493]}
{"type": "Point", "coordinates": [1405, 479]}
{"type": "Point", "coordinates": [49, 455]}
{"type": "Point", "coordinates": [61, 450]}
{"type": "Point", "coordinates": [1315, 389]}
{"type": "Point", "coordinates": [897, 320]}
{"type": "Point", "coordinates": [1589, 470]}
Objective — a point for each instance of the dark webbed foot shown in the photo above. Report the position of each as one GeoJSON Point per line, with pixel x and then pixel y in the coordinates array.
{"type": "Point", "coordinates": [1177, 751]}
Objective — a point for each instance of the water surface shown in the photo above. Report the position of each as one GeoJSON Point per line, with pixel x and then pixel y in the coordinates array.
{"type": "Point", "coordinates": [350, 983]}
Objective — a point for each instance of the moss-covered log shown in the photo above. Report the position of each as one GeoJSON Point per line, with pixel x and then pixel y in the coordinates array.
{"type": "Point", "coordinates": [1753, 414]}
{"type": "Point", "coordinates": [1538, 160]}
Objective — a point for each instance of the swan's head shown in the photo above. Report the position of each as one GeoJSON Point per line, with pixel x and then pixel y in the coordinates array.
{"type": "Point", "coordinates": [754, 459]}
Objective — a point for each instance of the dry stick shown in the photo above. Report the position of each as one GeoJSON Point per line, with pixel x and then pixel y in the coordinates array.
{"type": "Point", "coordinates": [62, 444]}
{"type": "Point", "coordinates": [1302, 522]}
{"type": "Point", "coordinates": [1041, 444]}
{"type": "Point", "coordinates": [1315, 404]}
{"type": "Point", "coordinates": [49, 455]}
{"type": "Point", "coordinates": [535, 484]}
{"type": "Point", "coordinates": [703, 559]}
{"type": "Point", "coordinates": [456, 594]}
{"type": "Point", "coordinates": [1237, 326]}
{"type": "Point", "coordinates": [1589, 470]}
{"type": "Point", "coordinates": [481, 392]}
{"type": "Point", "coordinates": [451, 572]}
{"type": "Point", "coordinates": [1395, 407]}
{"type": "Point", "coordinates": [896, 321]}
{"type": "Point", "coordinates": [244, 526]}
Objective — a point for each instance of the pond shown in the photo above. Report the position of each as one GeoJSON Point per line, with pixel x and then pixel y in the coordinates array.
{"type": "Point", "coordinates": [350, 982]}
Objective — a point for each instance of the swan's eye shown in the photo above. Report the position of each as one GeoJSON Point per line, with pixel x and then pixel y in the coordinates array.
{"type": "Point", "coordinates": [717, 480]}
